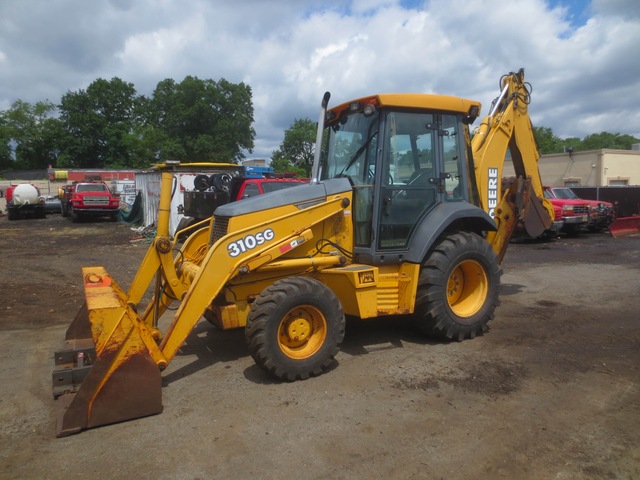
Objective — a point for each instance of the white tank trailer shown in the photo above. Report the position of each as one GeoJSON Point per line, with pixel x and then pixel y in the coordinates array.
{"type": "Point", "coordinates": [25, 201]}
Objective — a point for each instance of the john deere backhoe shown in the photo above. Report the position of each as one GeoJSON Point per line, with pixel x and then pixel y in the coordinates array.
{"type": "Point", "coordinates": [405, 215]}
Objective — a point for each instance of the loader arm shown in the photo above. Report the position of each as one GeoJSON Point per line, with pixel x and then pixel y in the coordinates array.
{"type": "Point", "coordinates": [170, 282]}
{"type": "Point", "coordinates": [508, 127]}
{"type": "Point", "coordinates": [114, 375]}
{"type": "Point", "coordinates": [218, 267]}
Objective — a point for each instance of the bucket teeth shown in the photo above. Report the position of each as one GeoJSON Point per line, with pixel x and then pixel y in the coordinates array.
{"type": "Point", "coordinates": [72, 365]}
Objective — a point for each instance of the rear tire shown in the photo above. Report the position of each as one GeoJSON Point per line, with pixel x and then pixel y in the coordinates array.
{"type": "Point", "coordinates": [458, 288]}
{"type": "Point", "coordinates": [295, 328]}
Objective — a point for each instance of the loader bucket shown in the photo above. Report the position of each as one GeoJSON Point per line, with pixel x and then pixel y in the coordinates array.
{"type": "Point", "coordinates": [109, 368]}
{"type": "Point", "coordinates": [625, 226]}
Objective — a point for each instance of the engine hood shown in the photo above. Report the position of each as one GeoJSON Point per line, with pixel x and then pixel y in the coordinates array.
{"type": "Point", "coordinates": [300, 194]}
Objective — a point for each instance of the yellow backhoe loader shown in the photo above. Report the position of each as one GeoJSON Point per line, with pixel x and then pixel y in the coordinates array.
{"type": "Point", "coordinates": [405, 215]}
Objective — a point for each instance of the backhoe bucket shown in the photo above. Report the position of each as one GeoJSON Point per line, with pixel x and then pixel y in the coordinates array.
{"type": "Point", "coordinates": [109, 370]}
{"type": "Point", "coordinates": [536, 219]}
{"type": "Point", "coordinates": [625, 226]}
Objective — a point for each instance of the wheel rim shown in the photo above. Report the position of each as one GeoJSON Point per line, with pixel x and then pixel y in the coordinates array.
{"type": "Point", "coordinates": [467, 288]}
{"type": "Point", "coordinates": [302, 332]}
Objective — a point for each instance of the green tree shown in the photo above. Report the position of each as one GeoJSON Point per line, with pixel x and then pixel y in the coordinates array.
{"type": "Point", "coordinates": [6, 158]}
{"type": "Point", "coordinates": [597, 141]}
{"type": "Point", "coordinates": [34, 132]}
{"type": "Point", "coordinates": [547, 141]}
{"type": "Point", "coordinates": [100, 125]}
{"type": "Point", "coordinates": [571, 143]}
{"type": "Point", "coordinates": [282, 165]}
{"type": "Point", "coordinates": [298, 147]}
{"type": "Point", "coordinates": [550, 143]}
{"type": "Point", "coordinates": [201, 120]}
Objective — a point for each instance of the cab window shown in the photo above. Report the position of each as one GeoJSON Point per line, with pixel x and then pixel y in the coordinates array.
{"type": "Point", "coordinates": [451, 148]}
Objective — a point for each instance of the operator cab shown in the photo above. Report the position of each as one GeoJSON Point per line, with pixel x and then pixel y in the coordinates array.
{"type": "Point", "coordinates": [404, 155]}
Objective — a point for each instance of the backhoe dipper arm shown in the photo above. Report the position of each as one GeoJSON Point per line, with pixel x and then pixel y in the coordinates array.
{"type": "Point", "coordinates": [508, 126]}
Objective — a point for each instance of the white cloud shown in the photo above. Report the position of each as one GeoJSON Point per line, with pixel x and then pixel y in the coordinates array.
{"type": "Point", "coordinates": [290, 52]}
{"type": "Point", "coordinates": [159, 51]}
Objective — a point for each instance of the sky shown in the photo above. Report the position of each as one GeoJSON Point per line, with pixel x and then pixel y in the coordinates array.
{"type": "Point", "coordinates": [580, 56]}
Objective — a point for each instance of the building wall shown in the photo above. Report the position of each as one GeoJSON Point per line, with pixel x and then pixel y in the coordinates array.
{"type": "Point", "coordinates": [591, 168]}
{"type": "Point", "coordinates": [80, 175]}
{"type": "Point", "coordinates": [621, 167]}
{"type": "Point", "coordinates": [255, 162]}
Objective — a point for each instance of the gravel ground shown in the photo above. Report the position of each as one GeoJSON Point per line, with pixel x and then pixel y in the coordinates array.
{"type": "Point", "coordinates": [551, 392]}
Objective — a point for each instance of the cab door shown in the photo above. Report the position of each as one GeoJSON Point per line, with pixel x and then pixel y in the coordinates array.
{"type": "Point", "coordinates": [420, 168]}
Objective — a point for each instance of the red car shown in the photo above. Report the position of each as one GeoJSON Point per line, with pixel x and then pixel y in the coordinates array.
{"type": "Point", "coordinates": [574, 213]}
{"type": "Point", "coordinates": [601, 213]}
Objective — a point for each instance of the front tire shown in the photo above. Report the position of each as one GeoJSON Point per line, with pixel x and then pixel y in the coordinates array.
{"type": "Point", "coordinates": [458, 288]}
{"type": "Point", "coordinates": [295, 328]}
{"type": "Point", "coordinates": [75, 216]}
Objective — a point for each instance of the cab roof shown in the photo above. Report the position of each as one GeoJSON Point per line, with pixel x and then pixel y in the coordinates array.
{"type": "Point", "coordinates": [443, 103]}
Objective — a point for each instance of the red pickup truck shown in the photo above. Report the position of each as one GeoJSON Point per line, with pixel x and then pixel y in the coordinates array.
{"type": "Point", "coordinates": [88, 199]}
{"type": "Point", "coordinates": [574, 213]}
{"type": "Point", "coordinates": [600, 215]}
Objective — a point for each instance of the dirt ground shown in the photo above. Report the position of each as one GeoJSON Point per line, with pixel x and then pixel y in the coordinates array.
{"type": "Point", "coordinates": [551, 392]}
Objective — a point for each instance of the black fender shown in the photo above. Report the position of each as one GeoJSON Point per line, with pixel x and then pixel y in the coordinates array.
{"type": "Point", "coordinates": [446, 217]}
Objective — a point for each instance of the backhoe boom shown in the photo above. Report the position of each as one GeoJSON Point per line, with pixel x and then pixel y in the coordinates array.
{"type": "Point", "coordinates": [508, 128]}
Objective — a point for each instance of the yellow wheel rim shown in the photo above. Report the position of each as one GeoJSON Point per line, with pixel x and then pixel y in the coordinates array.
{"type": "Point", "coordinates": [467, 288]}
{"type": "Point", "coordinates": [302, 332]}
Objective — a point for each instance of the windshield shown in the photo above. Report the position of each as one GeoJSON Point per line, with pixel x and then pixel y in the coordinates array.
{"type": "Point", "coordinates": [92, 187]}
{"type": "Point", "coordinates": [350, 148]}
{"type": "Point", "coordinates": [565, 193]}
